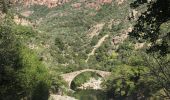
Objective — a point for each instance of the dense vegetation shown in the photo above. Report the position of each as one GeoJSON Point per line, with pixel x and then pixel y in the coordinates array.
{"type": "Point", "coordinates": [57, 41]}
{"type": "Point", "coordinates": [151, 81]}
{"type": "Point", "coordinates": [66, 30]}
{"type": "Point", "coordinates": [22, 74]}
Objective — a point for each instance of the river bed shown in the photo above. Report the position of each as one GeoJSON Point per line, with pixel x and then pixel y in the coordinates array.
{"type": "Point", "coordinates": [91, 90]}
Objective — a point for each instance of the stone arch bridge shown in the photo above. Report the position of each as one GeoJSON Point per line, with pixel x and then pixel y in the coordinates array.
{"type": "Point", "coordinates": [69, 77]}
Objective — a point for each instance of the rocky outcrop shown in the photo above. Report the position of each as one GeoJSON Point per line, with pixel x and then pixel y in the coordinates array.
{"type": "Point", "coordinates": [27, 13]}
{"type": "Point", "coordinates": [119, 2]}
{"type": "Point", "coordinates": [118, 39]}
{"type": "Point", "coordinates": [22, 21]}
{"type": "Point", "coordinates": [76, 5]}
{"type": "Point", "coordinates": [139, 45]}
{"type": "Point", "coordinates": [134, 14]}
{"type": "Point", "coordinates": [95, 30]}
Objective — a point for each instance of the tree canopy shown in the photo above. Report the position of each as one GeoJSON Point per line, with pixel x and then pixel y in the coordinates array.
{"type": "Point", "coordinates": [152, 27]}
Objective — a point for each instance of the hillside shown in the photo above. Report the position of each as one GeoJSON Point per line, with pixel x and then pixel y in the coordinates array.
{"type": "Point", "coordinates": [86, 49]}
{"type": "Point", "coordinates": [70, 35]}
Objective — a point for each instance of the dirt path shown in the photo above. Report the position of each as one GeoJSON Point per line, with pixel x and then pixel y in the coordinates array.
{"type": "Point", "coordinates": [95, 30]}
{"type": "Point", "coordinates": [100, 42]}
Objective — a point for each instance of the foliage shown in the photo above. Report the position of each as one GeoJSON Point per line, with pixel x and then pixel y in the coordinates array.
{"type": "Point", "coordinates": [39, 11]}
{"type": "Point", "coordinates": [4, 5]}
{"type": "Point", "coordinates": [151, 28]}
{"type": "Point", "coordinates": [126, 81]}
{"type": "Point", "coordinates": [32, 74]}
{"type": "Point", "coordinates": [57, 83]}
{"type": "Point", "coordinates": [9, 61]}
{"type": "Point", "coordinates": [148, 26]}
{"type": "Point", "coordinates": [22, 75]}
{"type": "Point", "coordinates": [90, 94]}
{"type": "Point", "coordinates": [65, 30]}
{"type": "Point", "coordinates": [59, 43]}
{"type": "Point", "coordinates": [24, 31]}
{"type": "Point", "coordinates": [129, 56]}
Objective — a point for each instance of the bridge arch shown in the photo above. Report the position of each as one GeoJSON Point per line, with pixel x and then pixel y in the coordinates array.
{"type": "Point", "coordinates": [69, 77]}
{"type": "Point", "coordinates": [71, 83]}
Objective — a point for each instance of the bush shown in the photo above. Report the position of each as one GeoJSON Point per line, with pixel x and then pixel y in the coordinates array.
{"type": "Point", "coordinates": [33, 74]}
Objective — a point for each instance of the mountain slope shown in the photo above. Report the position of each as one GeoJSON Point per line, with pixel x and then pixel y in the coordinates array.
{"type": "Point", "coordinates": [70, 35]}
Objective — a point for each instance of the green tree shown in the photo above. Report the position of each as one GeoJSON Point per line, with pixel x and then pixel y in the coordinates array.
{"type": "Point", "coordinates": [9, 61]}
{"type": "Point", "coordinates": [21, 72]}
{"type": "Point", "coordinates": [59, 43]}
{"type": "Point", "coordinates": [149, 29]}
{"type": "Point", "coordinates": [33, 76]}
{"type": "Point", "coordinates": [128, 82]}
{"type": "Point", "coordinates": [148, 25]}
